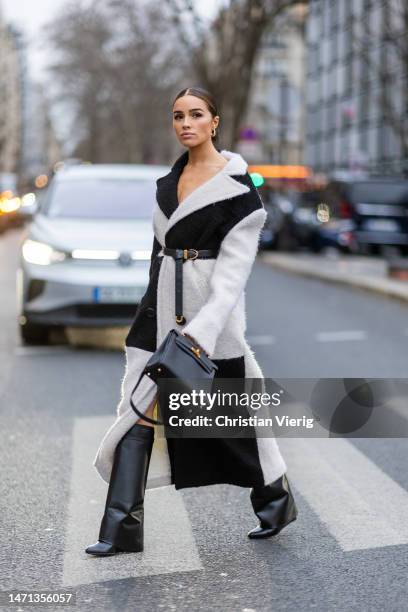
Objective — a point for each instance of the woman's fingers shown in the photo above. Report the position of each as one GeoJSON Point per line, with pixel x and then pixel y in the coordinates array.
{"type": "Point", "coordinates": [195, 342]}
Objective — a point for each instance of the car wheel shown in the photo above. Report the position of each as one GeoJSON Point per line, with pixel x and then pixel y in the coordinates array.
{"type": "Point", "coordinates": [390, 251]}
{"type": "Point", "coordinates": [286, 242]}
{"type": "Point", "coordinates": [34, 334]}
{"type": "Point", "coordinates": [316, 247]}
{"type": "Point", "coordinates": [374, 249]}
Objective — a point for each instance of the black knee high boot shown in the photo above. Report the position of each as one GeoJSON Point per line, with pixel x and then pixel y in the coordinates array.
{"type": "Point", "coordinates": [275, 507]}
{"type": "Point", "coordinates": [122, 523]}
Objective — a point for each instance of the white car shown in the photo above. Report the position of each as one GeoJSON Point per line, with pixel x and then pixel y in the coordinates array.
{"type": "Point", "coordinates": [85, 256]}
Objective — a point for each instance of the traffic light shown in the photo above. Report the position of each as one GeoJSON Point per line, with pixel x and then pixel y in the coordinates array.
{"type": "Point", "coordinates": [257, 179]}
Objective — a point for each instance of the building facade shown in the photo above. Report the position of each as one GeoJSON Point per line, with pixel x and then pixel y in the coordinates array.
{"type": "Point", "coordinates": [356, 86]}
{"type": "Point", "coordinates": [273, 130]}
{"type": "Point", "coordinates": [10, 99]}
{"type": "Point", "coordinates": [28, 143]}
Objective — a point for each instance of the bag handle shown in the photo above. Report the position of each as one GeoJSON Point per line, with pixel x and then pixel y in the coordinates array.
{"type": "Point", "coordinates": [143, 416]}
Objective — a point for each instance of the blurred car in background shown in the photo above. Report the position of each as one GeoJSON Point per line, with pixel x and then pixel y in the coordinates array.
{"type": "Point", "coordinates": [85, 256]}
{"type": "Point", "coordinates": [314, 226]}
{"type": "Point", "coordinates": [276, 233]}
{"type": "Point", "coordinates": [376, 209]}
{"type": "Point", "coordinates": [347, 212]}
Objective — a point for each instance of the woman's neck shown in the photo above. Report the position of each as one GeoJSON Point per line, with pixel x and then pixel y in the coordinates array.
{"type": "Point", "coordinates": [204, 155]}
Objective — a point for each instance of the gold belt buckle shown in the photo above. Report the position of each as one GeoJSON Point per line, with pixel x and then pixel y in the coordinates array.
{"type": "Point", "coordinates": [185, 253]}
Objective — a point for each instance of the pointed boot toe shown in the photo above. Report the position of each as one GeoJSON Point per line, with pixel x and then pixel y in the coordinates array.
{"type": "Point", "coordinates": [266, 532]}
{"type": "Point", "coordinates": [261, 532]}
{"type": "Point", "coordinates": [102, 549]}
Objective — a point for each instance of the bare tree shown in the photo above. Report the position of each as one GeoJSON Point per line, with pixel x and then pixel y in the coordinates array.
{"type": "Point", "coordinates": [80, 36]}
{"type": "Point", "coordinates": [223, 56]}
{"type": "Point", "coordinates": [116, 65]}
{"type": "Point", "coordinates": [147, 64]}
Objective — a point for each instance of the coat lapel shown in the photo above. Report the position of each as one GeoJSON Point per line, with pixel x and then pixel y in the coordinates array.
{"type": "Point", "coordinates": [220, 187]}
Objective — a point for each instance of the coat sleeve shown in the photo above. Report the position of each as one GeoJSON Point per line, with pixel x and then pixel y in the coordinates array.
{"type": "Point", "coordinates": [231, 271]}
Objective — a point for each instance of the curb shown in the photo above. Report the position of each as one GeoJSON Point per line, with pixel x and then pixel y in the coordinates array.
{"type": "Point", "coordinates": [384, 286]}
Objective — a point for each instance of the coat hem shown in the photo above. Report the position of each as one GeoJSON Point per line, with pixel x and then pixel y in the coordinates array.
{"type": "Point", "coordinates": [246, 483]}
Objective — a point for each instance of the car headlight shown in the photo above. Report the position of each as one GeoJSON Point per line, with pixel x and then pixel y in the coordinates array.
{"type": "Point", "coordinates": [41, 253]}
{"type": "Point", "coordinates": [142, 255]}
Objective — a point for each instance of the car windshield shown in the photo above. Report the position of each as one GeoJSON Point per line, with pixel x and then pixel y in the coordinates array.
{"type": "Point", "coordinates": [380, 193]}
{"type": "Point", "coordinates": [307, 199]}
{"type": "Point", "coordinates": [101, 198]}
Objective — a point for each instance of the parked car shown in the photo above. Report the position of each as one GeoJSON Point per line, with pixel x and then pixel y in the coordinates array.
{"type": "Point", "coordinates": [276, 232]}
{"type": "Point", "coordinates": [377, 210]}
{"type": "Point", "coordinates": [313, 225]}
{"type": "Point", "coordinates": [85, 256]}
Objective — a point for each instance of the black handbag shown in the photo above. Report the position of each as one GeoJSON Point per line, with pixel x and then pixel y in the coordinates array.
{"type": "Point", "coordinates": [176, 357]}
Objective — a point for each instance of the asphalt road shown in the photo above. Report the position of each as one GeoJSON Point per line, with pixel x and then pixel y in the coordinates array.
{"type": "Point", "coordinates": [348, 550]}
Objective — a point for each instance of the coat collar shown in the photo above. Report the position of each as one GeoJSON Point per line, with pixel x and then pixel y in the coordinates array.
{"type": "Point", "coordinates": [220, 187]}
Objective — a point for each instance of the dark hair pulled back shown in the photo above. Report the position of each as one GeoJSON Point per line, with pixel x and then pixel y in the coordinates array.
{"type": "Point", "coordinates": [203, 94]}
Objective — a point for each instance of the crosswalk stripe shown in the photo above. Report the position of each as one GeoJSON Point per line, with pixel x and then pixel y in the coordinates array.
{"type": "Point", "coordinates": [360, 505]}
{"type": "Point", "coordinates": [261, 339]}
{"type": "Point", "coordinates": [341, 335]}
{"type": "Point", "coordinates": [169, 541]}
{"type": "Point", "coordinates": [29, 351]}
{"type": "Point", "coordinates": [399, 405]}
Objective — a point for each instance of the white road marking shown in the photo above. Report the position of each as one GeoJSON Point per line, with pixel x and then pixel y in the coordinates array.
{"type": "Point", "coordinates": [400, 406]}
{"type": "Point", "coordinates": [360, 505]}
{"type": "Point", "coordinates": [24, 351]}
{"type": "Point", "coordinates": [254, 340]}
{"type": "Point", "coordinates": [341, 336]}
{"type": "Point", "coordinates": [261, 339]}
{"type": "Point", "coordinates": [169, 541]}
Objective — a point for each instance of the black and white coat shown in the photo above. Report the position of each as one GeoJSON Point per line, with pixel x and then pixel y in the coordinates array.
{"type": "Point", "coordinates": [225, 212]}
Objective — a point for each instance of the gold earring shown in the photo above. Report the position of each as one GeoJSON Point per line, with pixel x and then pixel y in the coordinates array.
{"type": "Point", "coordinates": [213, 132]}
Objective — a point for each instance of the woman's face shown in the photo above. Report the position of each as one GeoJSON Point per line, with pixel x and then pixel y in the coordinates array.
{"type": "Point", "coordinates": [192, 121]}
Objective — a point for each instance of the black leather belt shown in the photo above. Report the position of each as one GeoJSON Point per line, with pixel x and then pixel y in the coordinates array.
{"type": "Point", "coordinates": [180, 256]}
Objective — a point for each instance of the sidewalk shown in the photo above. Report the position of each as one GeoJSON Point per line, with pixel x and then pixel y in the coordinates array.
{"type": "Point", "coordinates": [358, 271]}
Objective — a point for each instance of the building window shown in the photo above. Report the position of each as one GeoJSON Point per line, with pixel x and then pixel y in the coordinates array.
{"type": "Point", "coordinates": [363, 139]}
{"type": "Point", "coordinates": [364, 103]}
{"type": "Point", "coordinates": [348, 39]}
{"type": "Point", "coordinates": [334, 47]}
{"type": "Point", "coordinates": [348, 77]}
{"type": "Point", "coordinates": [334, 14]}
{"type": "Point", "coordinates": [313, 58]}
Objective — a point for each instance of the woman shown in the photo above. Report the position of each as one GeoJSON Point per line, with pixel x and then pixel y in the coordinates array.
{"type": "Point", "coordinates": [208, 207]}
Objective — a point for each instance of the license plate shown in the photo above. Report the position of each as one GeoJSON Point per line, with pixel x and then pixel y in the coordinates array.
{"type": "Point", "coordinates": [381, 225]}
{"type": "Point", "coordinates": [117, 294]}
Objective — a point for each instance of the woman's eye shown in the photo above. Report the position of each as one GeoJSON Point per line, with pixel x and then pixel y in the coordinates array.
{"type": "Point", "coordinates": [194, 115]}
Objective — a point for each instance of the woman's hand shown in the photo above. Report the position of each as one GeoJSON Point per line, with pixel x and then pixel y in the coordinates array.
{"type": "Point", "coordinates": [195, 343]}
